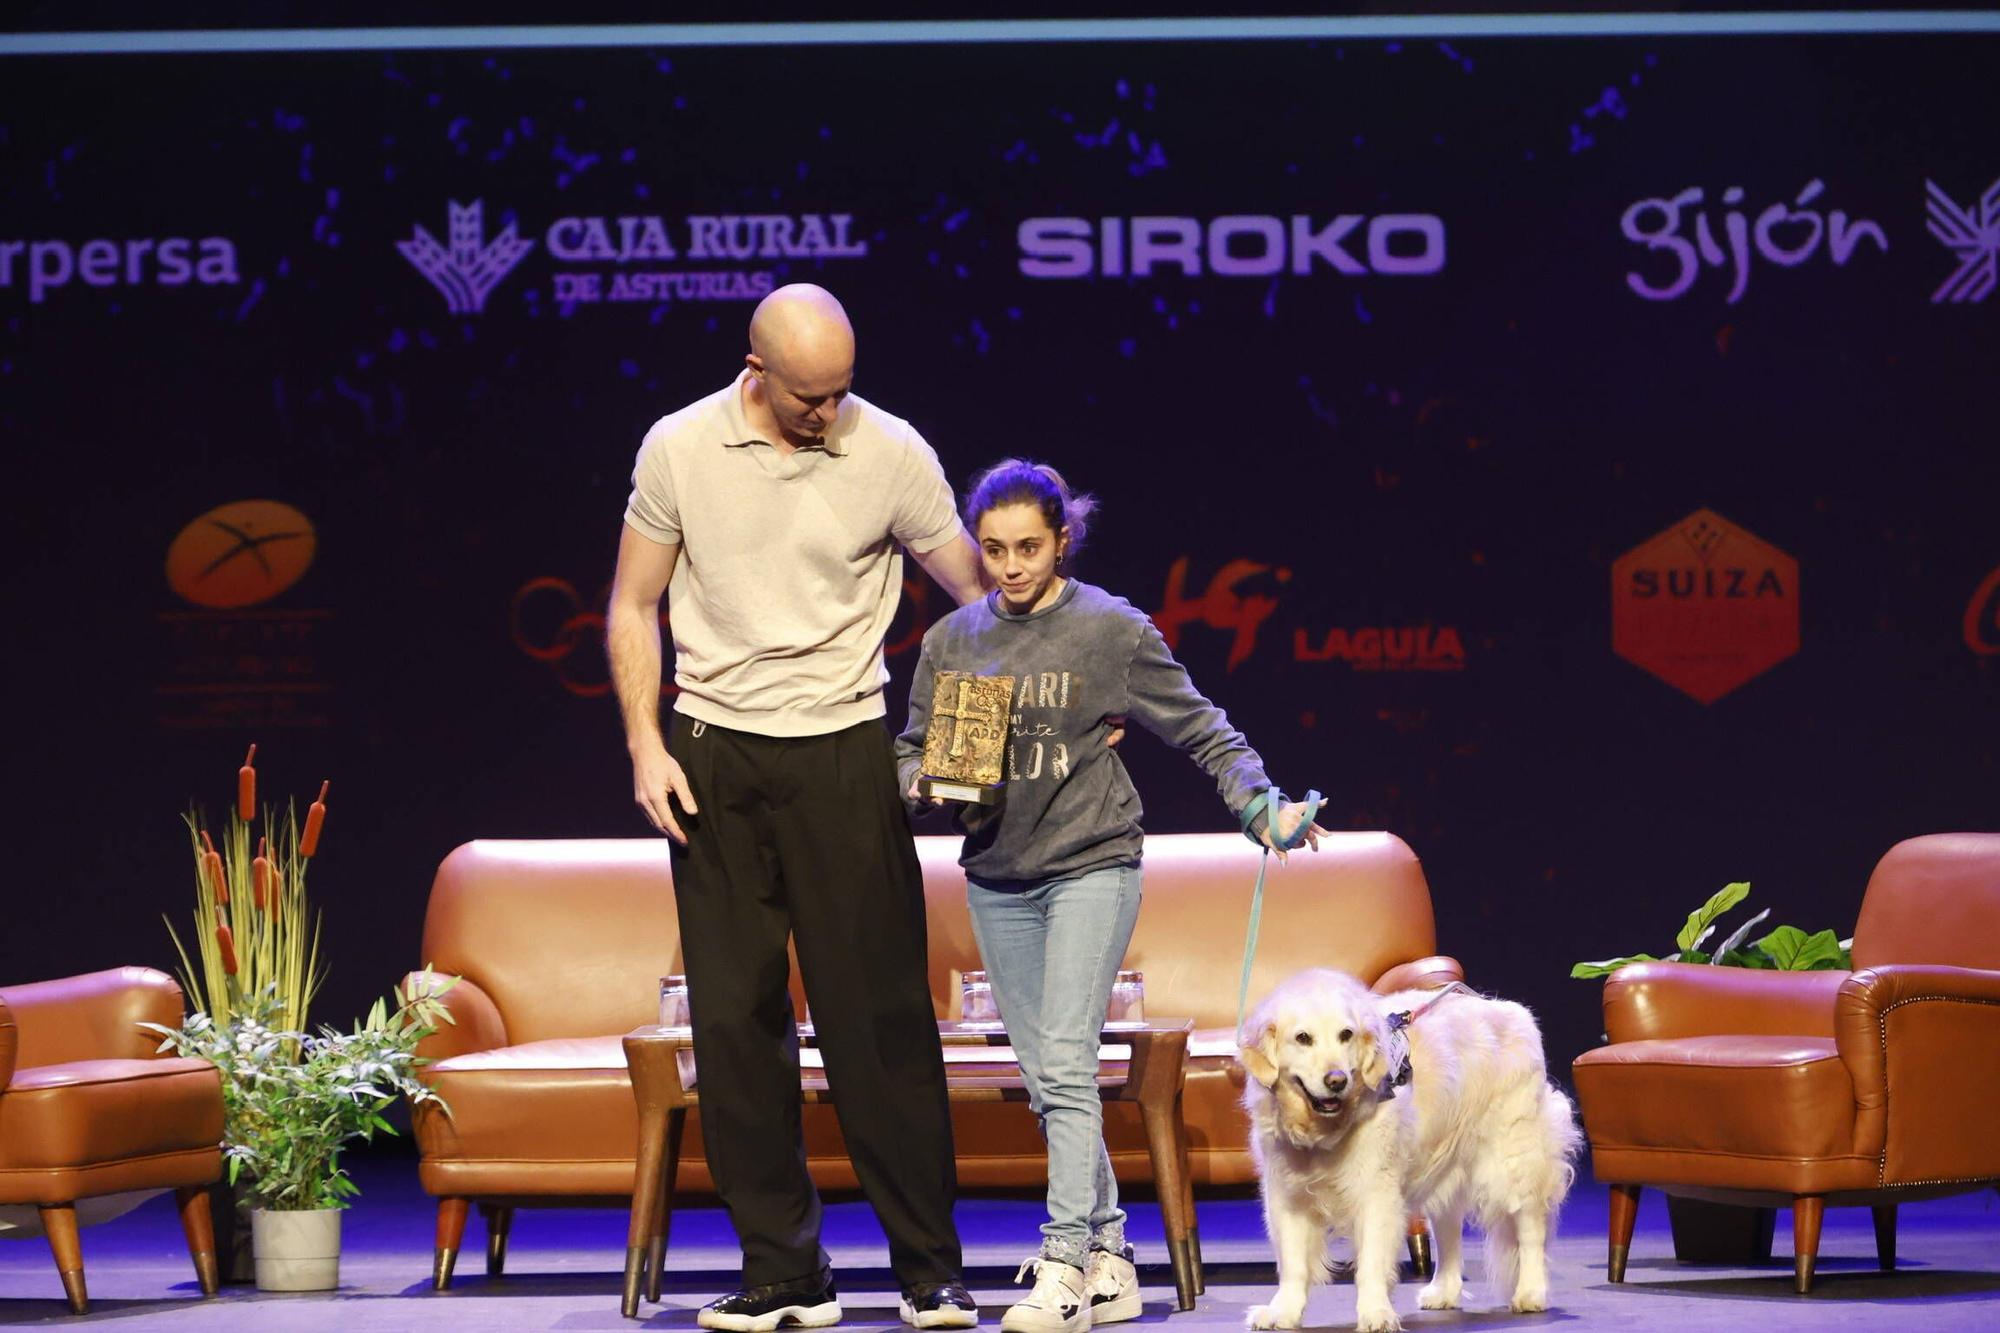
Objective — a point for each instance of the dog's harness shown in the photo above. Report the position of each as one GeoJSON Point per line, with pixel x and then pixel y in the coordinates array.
{"type": "Point", "coordinates": [1267, 803]}
{"type": "Point", "coordinates": [1399, 1039]}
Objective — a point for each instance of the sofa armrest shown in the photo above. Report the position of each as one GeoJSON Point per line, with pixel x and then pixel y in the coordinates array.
{"type": "Point", "coordinates": [94, 1016]}
{"type": "Point", "coordinates": [1433, 973]}
{"type": "Point", "coordinates": [1661, 1001]}
{"type": "Point", "coordinates": [476, 1023]}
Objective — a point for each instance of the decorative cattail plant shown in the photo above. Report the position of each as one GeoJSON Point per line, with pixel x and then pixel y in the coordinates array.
{"type": "Point", "coordinates": [254, 929]}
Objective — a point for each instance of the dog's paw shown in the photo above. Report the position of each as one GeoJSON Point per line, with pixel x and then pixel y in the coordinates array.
{"type": "Point", "coordinates": [1437, 1295]}
{"type": "Point", "coordinates": [1265, 1316]}
{"type": "Point", "coordinates": [1379, 1319]}
{"type": "Point", "coordinates": [1529, 1300]}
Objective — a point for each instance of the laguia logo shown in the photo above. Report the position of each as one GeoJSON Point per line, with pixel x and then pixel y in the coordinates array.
{"type": "Point", "coordinates": [240, 554]}
{"type": "Point", "coordinates": [1389, 648]}
{"type": "Point", "coordinates": [469, 268]}
{"type": "Point", "coordinates": [1973, 234]}
{"type": "Point", "coordinates": [1783, 234]}
{"type": "Point", "coordinates": [130, 263]}
{"type": "Point", "coordinates": [1982, 618]}
{"type": "Point", "coordinates": [1236, 246]}
{"type": "Point", "coordinates": [1705, 606]}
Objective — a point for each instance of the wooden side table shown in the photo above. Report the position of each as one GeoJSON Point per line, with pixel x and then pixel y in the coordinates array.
{"type": "Point", "coordinates": [664, 1082]}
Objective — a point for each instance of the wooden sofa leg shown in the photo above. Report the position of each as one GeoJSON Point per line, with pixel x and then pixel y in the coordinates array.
{"type": "Point", "coordinates": [499, 1223]}
{"type": "Point", "coordinates": [450, 1235]}
{"type": "Point", "coordinates": [198, 1224]}
{"type": "Point", "coordinates": [1421, 1261]}
{"type": "Point", "coordinates": [1808, 1211]}
{"type": "Point", "coordinates": [1885, 1236]}
{"type": "Point", "coordinates": [59, 1222]}
{"type": "Point", "coordinates": [1624, 1217]}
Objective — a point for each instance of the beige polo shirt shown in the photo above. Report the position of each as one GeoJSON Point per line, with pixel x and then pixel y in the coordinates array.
{"type": "Point", "coordinates": [790, 567]}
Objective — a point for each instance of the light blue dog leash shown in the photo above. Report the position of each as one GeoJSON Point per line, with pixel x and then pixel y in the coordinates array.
{"type": "Point", "coordinates": [1267, 803]}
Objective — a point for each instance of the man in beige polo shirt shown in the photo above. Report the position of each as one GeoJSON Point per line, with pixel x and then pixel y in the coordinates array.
{"type": "Point", "coordinates": [772, 515]}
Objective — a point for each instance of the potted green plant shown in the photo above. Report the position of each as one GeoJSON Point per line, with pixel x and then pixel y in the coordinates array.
{"type": "Point", "coordinates": [292, 1100]}
{"type": "Point", "coordinates": [255, 931]}
{"type": "Point", "coordinates": [1717, 1233]}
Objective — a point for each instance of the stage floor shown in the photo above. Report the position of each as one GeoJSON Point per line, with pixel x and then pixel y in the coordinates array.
{"type": "Point", "coordinates": [564, 1272]}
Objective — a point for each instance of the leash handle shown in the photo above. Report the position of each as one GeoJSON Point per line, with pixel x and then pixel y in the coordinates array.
{"type": "Point", "coordinates": [1268, 803]}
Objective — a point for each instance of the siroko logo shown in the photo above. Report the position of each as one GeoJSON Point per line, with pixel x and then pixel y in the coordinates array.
{"type": "Point", "coordinates": [1234, 246]}
{"type": "Point", "coordinates": [240, 554]}
{"type": "Point", "coordinates": [469, 268]}
{"type": "Point", "coordinates": [1786, 235]}
{"type": "Point", "coordinates": [1705, 606]}
{"type": "Point", "coordinates": [1982, 617]}
{"type": "Point", "coordinates": [1971, 233]}
{"type": "Point", "coordinates": [173, 262]}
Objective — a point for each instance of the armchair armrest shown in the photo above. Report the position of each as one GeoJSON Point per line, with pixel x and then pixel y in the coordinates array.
{"type": "Point", "coordinates": [1944, 1021]}
{"type": "Point", "coordinates": [1433, 973]}
{"type": "Point", "coordinates": [94, 1016]}
{"type": "Point", "coordinates": [1654, 1001]}
{"type": "Point", "coordinates": [1868, 998]}
{"type": "Point", "coordinates": [476, 1023]}
{"type": "Point", "coordinates": [9, 1042]}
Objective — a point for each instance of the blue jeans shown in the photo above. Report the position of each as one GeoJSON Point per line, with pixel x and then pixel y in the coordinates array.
{"type": "Point", "coordinates": [1052, 949]}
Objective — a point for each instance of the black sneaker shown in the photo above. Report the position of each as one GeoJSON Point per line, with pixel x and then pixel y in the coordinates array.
{"type": "Point", "coordinates": [808, 1302]}
{"type": "Point", "coordinates": [938, 1305]}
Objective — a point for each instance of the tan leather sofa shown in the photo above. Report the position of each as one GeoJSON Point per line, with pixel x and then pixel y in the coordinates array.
{"type": "Point", "coordinates": [88, 1107]}
{"type": "Point", "coordinates": [1814, 1088]}
{"type": "Point", "coordinates": [562, 944]}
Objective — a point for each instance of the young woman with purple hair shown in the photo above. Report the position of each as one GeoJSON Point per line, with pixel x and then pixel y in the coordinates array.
{"type": "Point", "coordinates": [1053, 870]}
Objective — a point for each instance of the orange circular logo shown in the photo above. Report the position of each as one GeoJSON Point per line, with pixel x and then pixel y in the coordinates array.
{"type": "Point", "coordinates": [240, 554]}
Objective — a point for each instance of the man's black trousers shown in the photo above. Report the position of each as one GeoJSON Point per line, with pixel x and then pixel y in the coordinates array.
{"type": "Point", "coordinates": [806, 838]}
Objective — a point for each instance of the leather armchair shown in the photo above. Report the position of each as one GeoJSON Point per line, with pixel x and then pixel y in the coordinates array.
{"type": "Point", "coordinates": [1815, 1088]}
{"type": "Point", "coordinates": [89, 1107]}
{"type": "Point", "coordinates": [561, 945]}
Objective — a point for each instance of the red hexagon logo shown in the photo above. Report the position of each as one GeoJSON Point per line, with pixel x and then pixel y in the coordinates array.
{"type": "Point", "coordinates": [1705, 606]}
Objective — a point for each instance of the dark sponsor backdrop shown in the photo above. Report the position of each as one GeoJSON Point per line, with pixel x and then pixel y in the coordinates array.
{"type": "Point", "coordinates": [1373, 482]}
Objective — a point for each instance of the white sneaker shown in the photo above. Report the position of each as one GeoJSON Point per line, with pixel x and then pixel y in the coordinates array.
{"type": "Point", "coordinates": [1112, 1286]}
{"type": "Point", "coordinates": [1056, 1305]}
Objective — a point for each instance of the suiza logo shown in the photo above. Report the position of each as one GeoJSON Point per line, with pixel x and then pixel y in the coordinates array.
{"type": "Point", "coordinates": [1705, 606]}
{"type": "Point", "coordinates": [1973, 234]}
{"type": "Point", "coordinates": [240, 554]}
{"type": "Point", "coordinates": [469, 267]}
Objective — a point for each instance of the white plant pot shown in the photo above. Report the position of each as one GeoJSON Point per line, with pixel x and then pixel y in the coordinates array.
{"type": "Point", "coordinates": [296, 1251]}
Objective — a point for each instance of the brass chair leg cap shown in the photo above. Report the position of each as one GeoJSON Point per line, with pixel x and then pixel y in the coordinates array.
{"type": "Point", "coordinates": [635, 1265]}
{"type": "Point", "coordinates": [206, 1273]}
{"type": "Point", "coordinates": [78, 1294]}
{"type": "Point", "coordinates": [447, 1259]}
{"type": "Point", "coordinates": [1615, 1269]}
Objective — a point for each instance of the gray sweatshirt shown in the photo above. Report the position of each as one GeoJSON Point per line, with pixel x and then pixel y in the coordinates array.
{"type": "Point", "coordinates": [1068, 805]}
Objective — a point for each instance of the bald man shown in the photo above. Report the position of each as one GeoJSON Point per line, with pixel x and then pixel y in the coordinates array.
{"type": "Point", "coordinates": [773, 515]}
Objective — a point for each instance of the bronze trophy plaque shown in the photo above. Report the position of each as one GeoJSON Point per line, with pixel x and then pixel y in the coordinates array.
{"type": "Point", "coordinates": [965, 746]}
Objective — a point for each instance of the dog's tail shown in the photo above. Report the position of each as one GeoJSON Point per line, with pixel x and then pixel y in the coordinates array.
{"type": "Point", "coordinates": [1563, 1134]}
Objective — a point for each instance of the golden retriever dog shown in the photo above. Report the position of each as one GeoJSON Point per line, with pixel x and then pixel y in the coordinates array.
{"type": "Point", "coordinates": [1345, 1146]}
